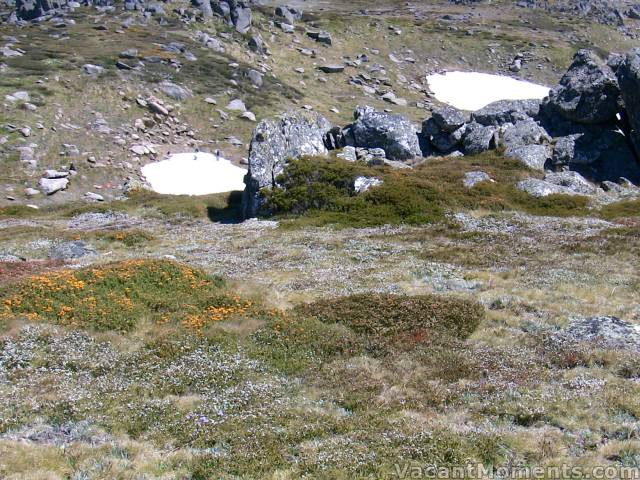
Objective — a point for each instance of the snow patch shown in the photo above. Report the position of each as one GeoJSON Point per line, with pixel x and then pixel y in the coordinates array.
{"type": "Point", "coordinates": [194, 174]}
{"type": "Point", "coordinates": [472, 91]}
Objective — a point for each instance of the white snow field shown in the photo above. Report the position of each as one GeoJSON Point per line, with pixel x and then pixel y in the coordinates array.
{"type": "Point", "coordinates": [194, 174]}
{"type": "Point", "coordinates": [472, 91]}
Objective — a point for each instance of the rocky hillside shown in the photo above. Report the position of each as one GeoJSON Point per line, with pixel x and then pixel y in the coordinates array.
{"type": "Point", "coordinates": [404, 284]}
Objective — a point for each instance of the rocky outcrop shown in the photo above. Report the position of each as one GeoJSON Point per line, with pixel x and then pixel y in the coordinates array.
{"type": "Point", "coordinates": [588, 93]}
{"type": "Point", "coordinates": [574, 135]}
{"type": "Point", "coordinates": [32, 9]}
{"type": "Point", "coordinates": [506, 111]}
{"type": "Point", "coordinates": [274, 142]}
{"type": "Point", "coordinates": [397, 136]}
{"type": "Point", "coordinates": [628, 74]}
{"type": "Point", "coordinates": [579, 127]}
{"type": "Point", "coordinates": [478, 138]}
{"type": "Point", "coordinates": [564, 183]}
{"type": "Point", "coordinates": [604, 12]}
{"type": "Point", "coordinates": [288, 14]}
{"type": "Point", "coordinates": [233, 12]}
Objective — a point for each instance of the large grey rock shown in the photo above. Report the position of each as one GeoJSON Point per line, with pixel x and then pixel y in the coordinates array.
{"type": "Point", "coordinates": [289, 14]}
{"type": "Point", "coordinates": [256, 78]}
{"type": "Point", "coordinates": [578, 148]}
{"type": "Point", "coordinates": [235, 13]}
{"type": "Point", "coordinates": [275, 141]}
{"type": "Point", "coordinates": [256, 44]}
{"type": "Point", "coordinates": [478, 138]}
{"type": "Point", "coordinates": [588, 93]}
{"type": "Point", "coordinates": [70, 250]}
{"type": "Point", "coordinates": [450, 119]}
{"type": "Point", "coordinates": [601, 153]}
{"type": "Point", "coordinates": [396, 135]}
{"type": "Point", "coordinates": [471, 179]}
{"type": "Point", "coordinates": [242, 19]}
{"type": "Point", "coordinates": [532, 156]}
{"type": "Point", "coordinates": [172, 90]}
{"type": "Point", "coordinates": [506, 111]}
{"type": "Point", "coordinates": [204, 6]}
{"type": "Point", "coordinates": [541, 188]}
{"type": "Point", "coordinates": [572, 180]}
{"type": "Point", "coordinates": [629, 78]}
{"type": "Point", "coordinates": [53, 185]}
{"type": "Point", "coordinates": [524, 132]}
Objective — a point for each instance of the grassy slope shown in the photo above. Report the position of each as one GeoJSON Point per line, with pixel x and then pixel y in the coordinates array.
{"type": "Point", "coordinates": [330, 390]}
{"type": "Point", "coordinates": [50, 71]}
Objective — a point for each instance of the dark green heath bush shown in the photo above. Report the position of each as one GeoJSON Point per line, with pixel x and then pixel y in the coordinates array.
{"type": "Point", "coordinates": [384, 315]}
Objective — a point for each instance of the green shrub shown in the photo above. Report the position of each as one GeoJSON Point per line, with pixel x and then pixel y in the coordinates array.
{"type": "Point", "coordinates": [398, 316]}
{"type": "Point", "coordinates": [294, 344]}
{"type": "Point", "coordinates": [320, 191]}
{"type": "Point", "coordinates": [313, 184]}
{"type": "Point", "coordinates": [556, 205]}
{"type": "Point", "coordinates": [323, 189]}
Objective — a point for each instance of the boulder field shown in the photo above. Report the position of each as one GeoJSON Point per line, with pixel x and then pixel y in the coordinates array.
{"type": "Point", "coordinates": [585, 133]}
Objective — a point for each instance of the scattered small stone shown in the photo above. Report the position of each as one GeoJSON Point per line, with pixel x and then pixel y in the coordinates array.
{"type": "Point", "coordinates": [471, 179]}
{"type": "Point", "coordinates": [332, 68]}
{"type": "Point", "coordinates": [236, 105]}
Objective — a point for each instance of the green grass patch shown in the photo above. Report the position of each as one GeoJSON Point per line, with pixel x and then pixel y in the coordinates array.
{"type": "Point", "coordinates": [624, 209]}
{"type": "Point", "coordinates": [218, 207]}
{"type": "Point", "coordinates": [129, 238]}
{"type": "Point", "coordinates": [393, 316]}
{"type": "Point", "coordinates": [18, 211]}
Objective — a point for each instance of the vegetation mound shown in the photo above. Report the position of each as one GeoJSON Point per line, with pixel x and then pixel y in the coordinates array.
{"type": "Point", "coordinates": [117, 296]}
{"type": "Point", "coordinates": [320, 191]}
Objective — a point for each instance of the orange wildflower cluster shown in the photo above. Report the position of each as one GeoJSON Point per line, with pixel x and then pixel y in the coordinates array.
{"type": "Point", "coordinates": [59, 281]}
{"type": "Point", "coordinates": [232, 306]}
{"type": "Point", "coordinates": [115, 296]}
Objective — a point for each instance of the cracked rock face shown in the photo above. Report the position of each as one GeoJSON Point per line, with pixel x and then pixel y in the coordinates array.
{"type": "Point", "coordinates": [629, 78]}
{"type": "Point", "coordinates": [506, 111]}
{"type": "Point", "coordinates": [397, 136]}
{"type": "Point", "coordinates": [588, 93]}
{"type": "Point", "coordinates": [32, 9]}
{"type": "Point", "coordinates": [293, 135]}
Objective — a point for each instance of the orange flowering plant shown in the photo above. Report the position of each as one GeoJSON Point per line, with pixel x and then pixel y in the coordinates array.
{"type": "Point", "coordinates": [116, 296]}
